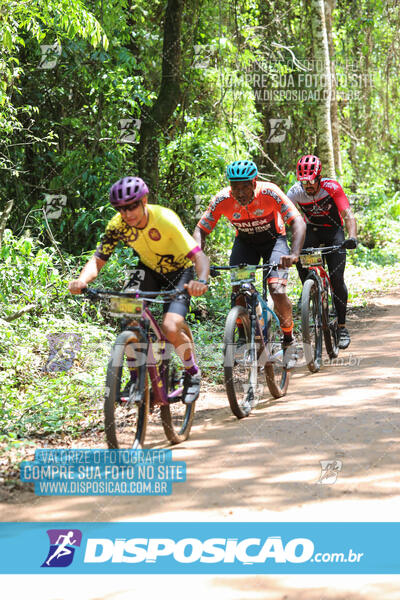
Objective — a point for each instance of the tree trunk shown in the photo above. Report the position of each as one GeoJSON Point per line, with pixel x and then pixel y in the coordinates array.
{"type": "Point", "coordinates": [329, 8]}
{"type": "Point", "coordinates": [155, 119]}
{"type": "Point", "coordinates": [4, 218]}
{"type": "Point", "coordinates": [323, 109]}
{"type": "Point", "coordinates": [368, 64]}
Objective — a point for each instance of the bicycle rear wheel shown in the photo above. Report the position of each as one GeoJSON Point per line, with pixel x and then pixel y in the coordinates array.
{"type": "Point", "coordinates": [330, 325]}
{"type": "Point", "coordinates": [176, 416]}
{"type": "Point", "coordinates": [311, 324]}
{"type": "Point", "coordinates": [240, 363]}
{"type": "Point", "coordinates": [276, 374]}
{"type": "Point", "coordinates": [126, 421]}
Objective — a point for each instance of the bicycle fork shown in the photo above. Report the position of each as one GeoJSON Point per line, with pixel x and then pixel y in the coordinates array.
{"type": "Point", "coordinates": [252, 393]}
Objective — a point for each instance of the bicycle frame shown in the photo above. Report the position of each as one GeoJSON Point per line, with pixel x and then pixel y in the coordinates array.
{"type": "Point", "coordinates": [322, 318]}
{"type": "Point", "coordinates": [248, 290]}
{"type": "Point", "coordinates": [157, 373]}
{"type": "Point", "coordinates": [318, 272]}
{"type": "Point", "coordinates": [141, 326]}
{"type": "Point", "coordinates": [322, 280]}
{"type": "Point", "coordinates": [254, 348]}
{"type": "Point", "coordinates": [272, 314]}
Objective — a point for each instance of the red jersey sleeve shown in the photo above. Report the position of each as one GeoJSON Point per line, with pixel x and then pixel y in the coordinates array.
{"type": "Point", "coordinates": [336, 192]}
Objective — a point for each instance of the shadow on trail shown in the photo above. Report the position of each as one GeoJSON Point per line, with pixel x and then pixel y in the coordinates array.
{"type": "Point", "coordinates": [270, 460]}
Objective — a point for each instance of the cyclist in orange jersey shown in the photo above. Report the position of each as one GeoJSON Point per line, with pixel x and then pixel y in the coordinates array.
{"type": "Point", "coordinates": [259, 212]}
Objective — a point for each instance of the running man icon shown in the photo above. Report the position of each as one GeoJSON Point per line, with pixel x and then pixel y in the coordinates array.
{"type": "Point", "coordinates": [62, 547]}
{"type": "Point", "coordinates": [62, 550]}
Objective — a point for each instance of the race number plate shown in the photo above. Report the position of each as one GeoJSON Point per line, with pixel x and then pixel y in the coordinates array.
{"type": "Point", "coordinates": [311, 260]}
{"type": "Point", "coordinates": [120, 306]}
{"type": "Point", "coordinates": [242, 275]}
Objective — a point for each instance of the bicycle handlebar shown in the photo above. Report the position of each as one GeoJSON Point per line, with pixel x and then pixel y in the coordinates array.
{"type": "Point", "coordinates": [323, 250]}
{"type": "Point", "coordinates": [94, 294]}
{"type": "Point", "coordinates": [215, 268]}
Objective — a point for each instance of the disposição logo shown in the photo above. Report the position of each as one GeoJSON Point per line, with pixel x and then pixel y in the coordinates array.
{"type": "Point", "coordinates": [63, 543]}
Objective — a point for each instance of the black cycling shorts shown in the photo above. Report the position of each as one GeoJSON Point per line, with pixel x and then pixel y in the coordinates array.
{"type": "Point", "coordinates": [145, 279]}
{"type": "Point", "coordinates": [336, 262]}
{"type": "Point", "coordinates": [251, 254]}
{"type": "Point", "coordinates": [326, 236]}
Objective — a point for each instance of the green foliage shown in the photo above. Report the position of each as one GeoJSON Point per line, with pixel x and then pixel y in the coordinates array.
{"type": "Point", "coordinates": [29, 277]}
{"type": "Point", "coordinates": [366, 33]}
{"type": "Point", "coordinates": [34, 402]}
{"type": "Point", "coordinates": [44, 21]}
{"type": "Point", "coordinates": [65, 121]}
{"type": "Point", "coordinates": [60, 134]}
{"type": "Point", "coordinates": [378, 221]}
{"type": "Point", "coordinates": [80, 103]}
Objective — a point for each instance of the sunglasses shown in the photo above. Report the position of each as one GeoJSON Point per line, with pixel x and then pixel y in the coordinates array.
{"type": "Point", "coordinates": [308, 182]}
{"type": "Point", "coordinates": [129, 207]}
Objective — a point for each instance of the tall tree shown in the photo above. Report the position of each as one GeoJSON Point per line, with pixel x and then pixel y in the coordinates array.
{"type": "Point", "coordinates": [323, 107]}
{"type": "Point", "coordinates": [329, 8]}
{"type": "Point", "coordinates": [4, 217]}
{"type": "Point", "coordinates": [155, 119]}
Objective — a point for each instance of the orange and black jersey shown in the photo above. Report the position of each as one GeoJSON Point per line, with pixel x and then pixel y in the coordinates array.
{"type": "Point", "coordinates": [260, 221]}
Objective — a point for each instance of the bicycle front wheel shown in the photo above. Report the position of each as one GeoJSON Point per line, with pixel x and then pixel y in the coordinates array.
{"type": "Point", "coordinates": [240, 362]}
{"type": "Point", "coordinates": [126, 412]}
{"type": "Point", "coordinates": [176, 416]}
{"type": "Point", "coordinates": [311, 325]}
{"type": "Point", "coordinates": [330, 325]}
{"type": "Point", "coordinates": [276, 374]}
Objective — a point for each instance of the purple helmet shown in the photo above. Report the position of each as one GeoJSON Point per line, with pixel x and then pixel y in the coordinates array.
{"type": "Point", "coordinates": [127, 190]}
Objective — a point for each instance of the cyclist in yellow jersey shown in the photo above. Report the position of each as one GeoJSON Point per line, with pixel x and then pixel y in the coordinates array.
{"type": "Point", "coordinates": [163, 244]}
{"type": "Point", "coordinates": [167, 253]}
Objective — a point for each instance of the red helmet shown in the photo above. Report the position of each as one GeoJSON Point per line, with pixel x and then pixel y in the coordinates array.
{"type": "Point", "coordinates": [308, 168]}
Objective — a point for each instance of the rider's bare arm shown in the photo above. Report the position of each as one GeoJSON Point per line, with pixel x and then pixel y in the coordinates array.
{"type": "Point", "coordinates": [350, 222]}
{"type": "Point", "coordinates": [200, 236]}
{"type": "Point", "coordinates": [202, 266]}
{"type": "Point", "coordinates": [298, 234]}
{"type": "Point", "coordinates": [88, 274]}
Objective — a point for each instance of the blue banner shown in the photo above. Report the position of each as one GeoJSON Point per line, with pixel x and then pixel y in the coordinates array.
{"type": "Point", "coordinates": [61, 472]}
{"type": "Point", "coordinates": [200, 548]}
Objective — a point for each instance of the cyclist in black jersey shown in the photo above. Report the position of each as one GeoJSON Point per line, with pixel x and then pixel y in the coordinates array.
{"type": "Point", "coordinates": [325, 207]}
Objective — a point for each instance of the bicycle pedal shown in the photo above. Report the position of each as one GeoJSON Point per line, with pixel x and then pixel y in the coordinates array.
{"type": "Point", "coordinates": [134, 398]}
{"type": "Point", "coordinates": [137, 400]}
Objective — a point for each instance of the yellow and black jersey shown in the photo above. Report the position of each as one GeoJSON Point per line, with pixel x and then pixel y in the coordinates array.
{"type": "Point", "coordinates": [163, 245]}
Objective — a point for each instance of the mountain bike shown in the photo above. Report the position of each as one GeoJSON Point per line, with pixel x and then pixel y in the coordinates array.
{"type": "Point", "coordinates": [143, 375]}
{"type": "Point", "coordinates": [252, 342]}
{"type": "Point", "coordinates": [318, 313]}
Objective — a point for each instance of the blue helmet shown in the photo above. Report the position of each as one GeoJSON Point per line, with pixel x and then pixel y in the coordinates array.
{"type": "Point", "coordinates": [241, 170]}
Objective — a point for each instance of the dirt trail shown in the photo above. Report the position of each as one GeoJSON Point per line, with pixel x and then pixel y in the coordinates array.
{"type": "Point", "coordinates": [267, 467]}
